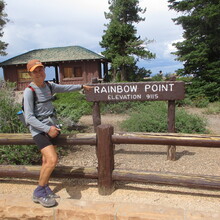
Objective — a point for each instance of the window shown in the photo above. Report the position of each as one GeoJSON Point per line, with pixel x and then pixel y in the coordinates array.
{"type": "Point", "coordinates": [23, 75]}
{"type": "Point", "coordinates": [78, 71]}
{"type": "Point", "coordinates": [68, 72]}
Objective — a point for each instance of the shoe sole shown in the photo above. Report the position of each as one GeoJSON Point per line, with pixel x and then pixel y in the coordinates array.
{"type": "Point", "coordinates": [36, 200]}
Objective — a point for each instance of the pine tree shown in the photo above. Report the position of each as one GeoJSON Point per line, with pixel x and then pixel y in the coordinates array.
{"type": "Point", "coordinates": [200, 49]}
{"type": "Point", "coordinates": [3, 21]}
{"type": "Point", "coordinates": [122, 47]}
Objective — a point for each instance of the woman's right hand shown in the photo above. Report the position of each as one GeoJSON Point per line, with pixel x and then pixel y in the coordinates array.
{"type": "Point", "coordinates": [54, 131]}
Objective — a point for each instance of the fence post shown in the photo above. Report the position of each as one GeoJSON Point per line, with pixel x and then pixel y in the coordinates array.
{"type": "Point", "coordinates": [171, 149]}
{"type": "Point", "coordinates": [96, 116]}
{"type": "Point", "coordinates": [105, 154]}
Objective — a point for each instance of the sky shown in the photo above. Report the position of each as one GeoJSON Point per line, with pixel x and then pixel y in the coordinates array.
{"type": "Point", "coordinates": [38, 24]}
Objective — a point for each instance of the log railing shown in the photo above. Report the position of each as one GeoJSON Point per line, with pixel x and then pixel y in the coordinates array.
{"type": "Point", "coordinates": [104, 139]}
{"type": "Point", "coordinates": [64, 139]}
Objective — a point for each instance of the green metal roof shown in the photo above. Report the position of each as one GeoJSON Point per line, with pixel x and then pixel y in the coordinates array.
{"type": "Point", "coordinates": [55, 54]}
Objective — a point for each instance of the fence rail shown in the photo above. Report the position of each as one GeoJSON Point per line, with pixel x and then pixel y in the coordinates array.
{"type": "Point", "coordinates": [104, 139]}
{"type": "Point", "coordinates": [64, 139]}
{"type": "Point", "coordinates": [167, 139]}
{"type": "Point", "coordinates": [20, 171]}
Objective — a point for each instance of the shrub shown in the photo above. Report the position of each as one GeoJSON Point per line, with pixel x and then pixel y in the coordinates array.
{"type": "Point", "coordinates": [187, 123]}
{"type": "Point", "coordinates": [20, 155]}
{"type": "Point", "coordinates": [200, 101]}
{"type": "Point", "coordinates": [118, 107]}
{"type": "Point", "coordinates": [70, 107]}
{"type": "Point", "coordinates": [185, 102]}
{"type": "Point", "coordinates": [9, 123]}
{"type": "Point", "coordinates": [198, 89]}
{"type": "Point", "coordinates": [153, 118]}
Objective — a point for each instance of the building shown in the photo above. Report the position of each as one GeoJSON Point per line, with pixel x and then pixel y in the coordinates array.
{"type": "Point", "coordinates": [72, 65]}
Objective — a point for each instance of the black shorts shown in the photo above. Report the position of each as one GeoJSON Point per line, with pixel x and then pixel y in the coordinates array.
{"type": "Point", "coordinates": [43, 140]}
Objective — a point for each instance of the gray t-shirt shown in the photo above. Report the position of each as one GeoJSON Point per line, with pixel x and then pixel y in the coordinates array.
{"type": "Point", "coordinates": [34, 111]}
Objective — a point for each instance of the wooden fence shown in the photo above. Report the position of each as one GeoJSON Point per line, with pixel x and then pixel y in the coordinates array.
{"type": "Point", "coordinates": [104, 139]}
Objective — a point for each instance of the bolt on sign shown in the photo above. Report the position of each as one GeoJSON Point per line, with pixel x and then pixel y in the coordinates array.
{"type": "Point", "coordinates": [141, 91]}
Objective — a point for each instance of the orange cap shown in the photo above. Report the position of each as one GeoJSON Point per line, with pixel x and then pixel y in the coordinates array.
{"type": "Point", "coordinates": [32, 64]}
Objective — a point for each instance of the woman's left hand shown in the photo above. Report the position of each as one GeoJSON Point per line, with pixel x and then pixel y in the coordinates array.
{"type": "Point", "coordinates": [54, 131]}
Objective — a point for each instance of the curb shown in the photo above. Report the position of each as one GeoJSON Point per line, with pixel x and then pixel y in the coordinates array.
{"type": "Point", "coordinates": [68, 209]}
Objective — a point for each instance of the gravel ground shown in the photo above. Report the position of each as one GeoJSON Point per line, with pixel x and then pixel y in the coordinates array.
{"type": "Point", "coordinates": [189, 160]}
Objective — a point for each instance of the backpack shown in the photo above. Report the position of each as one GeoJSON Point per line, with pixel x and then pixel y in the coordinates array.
{"type": "Point", "coordinates": [20, 114]}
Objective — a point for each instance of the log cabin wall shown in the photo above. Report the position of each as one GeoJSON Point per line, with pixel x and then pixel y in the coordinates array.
{"type": "Point", "coordinates": [89, 70]}
{"type": "Point", "coordinates": [11, 75]}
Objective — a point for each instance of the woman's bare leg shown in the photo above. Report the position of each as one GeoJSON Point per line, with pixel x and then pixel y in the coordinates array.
{"type": "Point", "coordinates": [49, 161]}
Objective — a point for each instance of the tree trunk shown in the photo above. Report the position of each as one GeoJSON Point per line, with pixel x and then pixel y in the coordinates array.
{"type": "Point", "coordinates": [114, 74]}
{"type": "Point", "coordinates": [123, 74]}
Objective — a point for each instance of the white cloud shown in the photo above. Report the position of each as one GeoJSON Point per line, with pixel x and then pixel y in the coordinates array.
{"type": "Point", "coordinates": [170, 48]}
{"type": "Point", "coordinates": [50, 23]}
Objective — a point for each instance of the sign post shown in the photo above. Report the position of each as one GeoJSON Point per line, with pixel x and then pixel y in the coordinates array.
{"type": "Point", "coordinates": [138, 91]}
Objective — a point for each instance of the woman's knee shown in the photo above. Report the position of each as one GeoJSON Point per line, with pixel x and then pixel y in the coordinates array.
{"type": "Point", "coordinates": [52, 161]}
{"type": "Point", "coordinates": [49, 157]}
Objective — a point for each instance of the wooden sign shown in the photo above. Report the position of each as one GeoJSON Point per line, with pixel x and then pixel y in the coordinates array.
{"type": "Point", "coordinates": [140, 91]}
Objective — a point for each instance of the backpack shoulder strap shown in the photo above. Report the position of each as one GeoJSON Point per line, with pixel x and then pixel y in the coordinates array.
{"type": "Point", "coordinates": [49, 85]}
{"type": "Point", "coordinates": [30, 87]}
{"type": "Point", "coordinates": [34, 96]}
{"type": "Point", "coordinates": [34, 93]}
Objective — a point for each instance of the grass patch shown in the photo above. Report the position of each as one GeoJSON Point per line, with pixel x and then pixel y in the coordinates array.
{"type": "Point", "coordinates": [213, 108]}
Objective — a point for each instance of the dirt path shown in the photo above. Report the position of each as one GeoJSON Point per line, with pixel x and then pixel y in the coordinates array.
{"type": "Point", "coordinates": [199, 161]}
